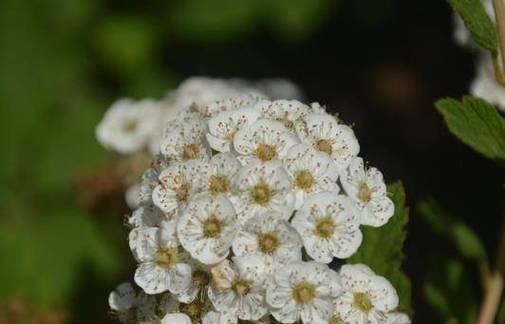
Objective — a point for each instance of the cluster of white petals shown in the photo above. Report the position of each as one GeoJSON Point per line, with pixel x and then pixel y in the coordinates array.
{"type": "Point", "coordinates": [131, 128]}
{"type": "Point", "coordinates": [247, 203]}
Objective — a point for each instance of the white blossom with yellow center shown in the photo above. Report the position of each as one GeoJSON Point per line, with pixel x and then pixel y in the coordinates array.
{"type": "Point", "coordinates": [178, 184]}
{"type": "Point", "coordinates": [323, 132]}
{"type": "Point", "coordinates": [207, 228]}
{"type": "Point", "coordinates": [288, 112]}
{"type": "Point", "coordinates": [224, 126]}
{"type": "Point", "coordinates": [367, 297]}
{"type": "Point", "coordinates": [238, 288]}
{"type": "Point", "coordinates": [271, 238]}
{"type": "Point", "coordinates": [329, 227]}
{"type": "Point", "coordinates": [311, 172]}
{"type": "Point", "coordinates": [263, 187]}
{"type": "Point", "coordinates": [367, 188]}
{"type": "Point", "coordinates": [303, 291]}
{"type": "Point", "coordinates": [219, 174]}
{"type": "Point", "coordinates": [185, 141]}
{"type": "Point", "coordinates": [127, 125]}
{"type": "Point", "coordinates": [162, 264]}
{"type": "Point", "coordinates": [264, 141]}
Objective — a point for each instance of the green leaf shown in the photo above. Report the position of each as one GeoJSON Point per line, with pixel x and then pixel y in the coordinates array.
{"type": "Point", "coordinates": [477, 22]}
{"type": "Point", "coordinates": [500, 317]}
{"type": "Point", "coordinates": [464, 239]}
{"type": "Point", "coordinates": [382, 247]}
{"type": "Point", "coordinates": [450, 292]}
{"type": "Point", "coordinates": [476, 123]}
{"type": "Point", "coordinates": [46, 256]}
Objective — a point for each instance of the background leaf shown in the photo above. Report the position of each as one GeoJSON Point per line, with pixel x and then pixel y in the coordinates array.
{"type": "Point", "coordinates": [477, 22]}
{"type": "Point", "coordinates": [476, 123]}
{"type": "Point", "coordinates": [462, 237]}
{"type": "Point", "coordinates": [450, 292]}
{"type": "Point", "coordinates": [48, 254]}
{"type": "Point", "coordinates": [382, 247]}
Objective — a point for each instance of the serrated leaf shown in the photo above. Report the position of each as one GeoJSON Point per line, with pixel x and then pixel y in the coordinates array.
{"type": "Point", "coordinates": [463, 238]}
{"type": "Point", "coordinates": [477, 22]}
{"type": "Point", "coordinates": [382, 247]}
{"type": "Point", "coordinates": [476, 123]}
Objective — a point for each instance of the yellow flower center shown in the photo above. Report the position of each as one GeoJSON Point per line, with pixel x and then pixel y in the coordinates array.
{"type": "Point", "coordinates": [304, 180]}
{"type": "Point", "coordinates": [130, 126]}
{"type": "Point", "coordinates": [335, 319]}
{"type": "Point", "coordinates": [266, 152]}
{"type": "Point", "coordinates": [362, 302]}
{"type": "Point", "coordinates": [193, 310]}
{"type": "Point", "coordinates": [212, 227]}
{"type": "Point", "coordinates": [325, 227]}
{"type": "Point", "coordinates": [241, 287]}
{"type": "Point", "coordinates": [219, 184]}
{"type": "Point", "coordinates": [324, 145]}
{"type": "Point", "coordinates": [166, 257]}
{"type": "Point", "coordinates": [261, 194]}
{"type": "Point", "coordinates": [365, 194]}
{"type": "Point", "coordinates": [304, 293]}
{"type": "Point", "coordinates": [268, 243]}
{"type": "Point", "coordinates": [287, 123]}
{"type": "Point", "coordinates": [182, 193]}
{"type": "Point", "coordinates": [191, 151]}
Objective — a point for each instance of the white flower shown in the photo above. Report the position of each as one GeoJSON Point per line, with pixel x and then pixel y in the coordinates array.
{"type": "Point", "coordinates": [311, 171]}
{"type": "Point", "coordinates": [196, 311]}
{"type": "Point", "coordinates": [367, 188]}
{"type": "Point", "coordinates": [176, 318]}
{"type": "Point", "coordinates": [178, 184]}
{"type": "Point", "coordinates": [127, 125]}
{"type": "Point", "coordinates": [317, 108]}
{"type": "Point", "coordinates": [288, 112]}
{"type": "Point", "coordinates": [214, 317]}
{"type": "Point", "coordinates": [261, 188]}
{"type": "Point", "coordinates": [146, 215]}
{"type": "Point", "coordinates": [228, 104]}
{"type": "Point", "coordinates": [132, 196]}
{"type": "Point", "coordinates": [202, 91]}
{"type": "Point", "coordinates": [162, 266]}
{"type": "Point", "coordinates": [238, 288]}
{"type": "Point", "coordinates": [207, 228]}
{"type": "Point", "coordinates": [122, 301]}
{"type": "Point", "coordinates": [271, 238]}
{"type": "Point", "coordinates": [325, 134]}
{"type": "Point", "coordinates": [367, 297]}
{"type": "Point", "coordinates": [223, 126]}
{"type": "Point", "coordinates": [185, 141]}
{"type": "Point", "coordinates": [265, 140]}
{"type": "Point", "coordinates": [303, 290]}
{"type": "Point", "coordinates": [280, 89]}
{"type": "Point", "coordinates": [129, 307]}
{"type": "Point", "coordinates": [328, 226]}
{"type": "Point", "coordinates": [150, 179]}
{"type": "Point", "coordinates": [220, 173]}
{"type": "Point", "coordinates": [198, 287]}
{"type": "Point", "coordinates": [397, 318]}
{"type": "Point", "coordinates": [485, 85]}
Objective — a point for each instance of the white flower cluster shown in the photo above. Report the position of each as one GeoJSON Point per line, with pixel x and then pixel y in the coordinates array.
{"type": "Point", "coordinates": [247, 203]}
{"type": "Point", "coordinates": [484, 84]}
{"type": "Point", "coordinates": [133, 128]}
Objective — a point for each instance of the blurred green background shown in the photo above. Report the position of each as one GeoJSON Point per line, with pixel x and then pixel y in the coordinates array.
{"type": "Point", "coordinates": [380, 63]}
